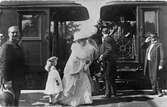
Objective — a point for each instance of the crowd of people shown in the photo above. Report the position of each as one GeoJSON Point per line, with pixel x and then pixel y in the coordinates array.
{"type": "Point", "coordinates": [76, 86]}
{"type": "Point", "coordinates": [77, 82]}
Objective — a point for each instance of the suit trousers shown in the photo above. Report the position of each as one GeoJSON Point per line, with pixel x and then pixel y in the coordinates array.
{"type": "Point", "coordinates": [154, 79]}
{"type": "Point", "coordinates": [110, 74]}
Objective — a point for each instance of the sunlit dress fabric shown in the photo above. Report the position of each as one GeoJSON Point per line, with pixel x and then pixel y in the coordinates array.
{"type": "Point", "coordinates": [76, 81]}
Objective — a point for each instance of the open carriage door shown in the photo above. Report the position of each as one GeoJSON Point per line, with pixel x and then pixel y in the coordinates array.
{"type": "Point", "coordinates": [125, 15]}
{"type": "Point", "coordinates": [149, 17]}
{"type": "Point", "coordinates": [34, 25]}
{"type": "Point", "coordinates": [148, 21]}
{"type": "Point", "coordinates": [152, 18]}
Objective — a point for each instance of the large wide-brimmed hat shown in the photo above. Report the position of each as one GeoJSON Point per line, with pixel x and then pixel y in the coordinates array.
{"type": "Point", "coordinates": [83, 34]}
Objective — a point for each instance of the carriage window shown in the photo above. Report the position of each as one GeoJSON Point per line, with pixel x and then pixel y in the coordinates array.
{"type": "Point", "coordinates": [150, 22]}
{"type": "Point", "coordinates": [31, 26]}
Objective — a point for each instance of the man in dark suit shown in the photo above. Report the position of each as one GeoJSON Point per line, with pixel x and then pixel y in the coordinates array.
{"type": "Point", "coordinates": [108, 56]}
{"type": "Point", "coordinates": [153, 61]}
{"type": "Point", "coordinates": [12, 62]}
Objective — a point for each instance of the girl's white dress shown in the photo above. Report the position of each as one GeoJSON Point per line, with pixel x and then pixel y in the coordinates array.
{"type": "Point", "coordinates": [77, 85]}
{"type": "Point", "coordinates": [53, 84]}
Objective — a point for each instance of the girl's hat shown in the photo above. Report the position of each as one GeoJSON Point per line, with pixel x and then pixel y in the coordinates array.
{"type": "Point", "coordinates": [53, 58]}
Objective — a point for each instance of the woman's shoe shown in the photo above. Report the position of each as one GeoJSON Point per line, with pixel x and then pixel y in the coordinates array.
{"type": "Point", "coordinates": [161, 95]}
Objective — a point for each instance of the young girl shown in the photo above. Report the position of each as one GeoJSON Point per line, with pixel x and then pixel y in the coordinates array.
{"type": "Point", "coordinates": [53, 84]}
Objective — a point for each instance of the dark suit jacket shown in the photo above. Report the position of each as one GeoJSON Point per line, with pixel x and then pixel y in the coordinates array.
{"type": "Point", "coordinates": [12, 64]}
{"type": "Point", "coordinates": [157, 58]}
{"type": "Point", "coordinates": [109, 49]}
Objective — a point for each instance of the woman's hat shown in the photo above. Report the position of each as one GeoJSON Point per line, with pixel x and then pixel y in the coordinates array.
{"type": "Point", "coordinates": [85, 34]}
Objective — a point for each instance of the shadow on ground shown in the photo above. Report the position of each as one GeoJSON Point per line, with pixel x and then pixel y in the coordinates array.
{"type": "Point", "coordinates": [125, 97]}
{"type": "Point", "coordinates": [33, 99]}
{"type": "Point", "coordinates": [38, 99]}
{"type": "Point", "coordinates": [120, 99]}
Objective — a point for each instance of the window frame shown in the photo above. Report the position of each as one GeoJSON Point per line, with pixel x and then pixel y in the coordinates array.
{"type": "Point", "coordinates": [21, 14]}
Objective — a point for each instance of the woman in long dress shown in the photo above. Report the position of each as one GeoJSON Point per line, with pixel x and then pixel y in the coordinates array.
{"type": "Point", "coordinates": [77, 85]}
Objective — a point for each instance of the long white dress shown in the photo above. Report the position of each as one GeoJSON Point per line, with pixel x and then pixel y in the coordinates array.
{"type": "Point", "coordinates": [77, 88]}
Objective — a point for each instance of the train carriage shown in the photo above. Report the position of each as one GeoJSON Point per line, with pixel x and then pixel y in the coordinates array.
{"type": "Point", "coordinates": [42, 24]}
{"type": "Point", "coordinates": [138, 17]}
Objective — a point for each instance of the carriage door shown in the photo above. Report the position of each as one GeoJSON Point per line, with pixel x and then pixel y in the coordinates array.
{"type": "Point", "coordinates": [148, 22]}
{"type": "Point", "coordinates": [34, 27]}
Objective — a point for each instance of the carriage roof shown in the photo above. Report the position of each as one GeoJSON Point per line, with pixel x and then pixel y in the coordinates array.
{"type": "Point", "coordinates": [66, 9]}
{"type": "Point", "coordinates": [125, 8]}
